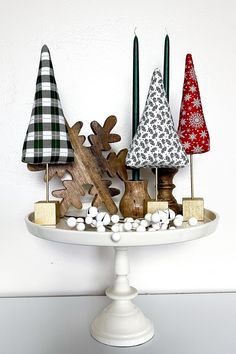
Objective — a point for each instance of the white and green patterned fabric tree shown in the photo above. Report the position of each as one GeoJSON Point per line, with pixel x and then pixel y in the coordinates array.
{"type": "Point", "coordinates": [47, 140]}
{"type": "Point", "coordinates": [156, 143]}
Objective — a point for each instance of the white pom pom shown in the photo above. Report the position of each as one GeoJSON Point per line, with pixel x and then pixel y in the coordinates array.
{"type": "Point", "coordinates": [192, 221]}
{"type": "Point", "coordinates": [80, 226]}
{"type": "Point", "coordinates": [155, 217]}
{"type": "Point", "coordinates": [137, 221]}
{"type": "Point", "coordinates": [98, 223]}
{"type": "Point", "coordinates": [179, 216]}
{"type": "Point", "coordinates": [171, 214]}
{"type": "Point", "coordinates": [88, 220]}
{"type": "Point", "coordinates": [164, 226]}
{"type": "Point", "coordinates": [71, 222]}
{"type": "Point", "coordinates": [92, 211]}
{"type": "Point", "coordinates": [145, 223]}
{"type": "Point", "coordinates": [148, 217]}
{"type": "Point", "coordinates": [104, 217]}
{"type": "Point", "coordinates": [135, 225]}
{"type": "Point", "coordinates": [151, 229]}
{"type": "Point", "coordinates": [129, 220]}
{"type": "Point", "coordinates": [79, 220]}
{"type": "Point", "coordinates": [101, 228]}
{"type": "Point", "coordinates": [115, 228]}
{"type": "Point", "coordinates": [156, 226]}
{"type": "Point", "coordinates": [127, 226]}
{"type": "Point", "coordinates": [141, 228]}
{"type": "Point", "coordinates": [163, 216]}
{"type": "Point", "coordinates": [115, 236]}
{"type": "Point", "coordinates": [177, 222]}
{"type": "Point", "coordinates": [172, 228]}
{"type": "Point", "coordinates": [121, 227]}
{"type": "Point", "coordinates": [115, 218]}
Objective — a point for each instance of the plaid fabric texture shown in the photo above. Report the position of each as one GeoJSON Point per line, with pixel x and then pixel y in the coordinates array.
{"type": "Point", "coordinates": [47, 139]}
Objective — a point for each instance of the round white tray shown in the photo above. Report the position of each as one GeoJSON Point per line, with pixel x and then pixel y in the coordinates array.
{"type": "Point", "coordinates": [122, 323]}
{"type": "Point", "coordinates": [61, 233]}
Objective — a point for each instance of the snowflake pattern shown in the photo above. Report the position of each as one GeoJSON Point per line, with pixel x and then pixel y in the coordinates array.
{"type": "Point", "coordinates": [187, 97]}
{"type": "Point", "coordinates": [192, 88]}
{"type": "Point", "coordinates": [196, 120]}
{"type": "Point", "coordinates": [156, 143]}
{"type": "Point", "coordinates": [186, 145]}
{"type": "Point", "coordinates": [193, 133]}
{"type": "Point", "coordinates": [197, 102]}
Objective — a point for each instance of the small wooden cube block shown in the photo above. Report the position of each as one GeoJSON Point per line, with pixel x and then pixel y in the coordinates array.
{"type": "Point", "coordinates": [46, 213]}
{"type": "Point", "coordinates": [193, 207]}
{"type": "Point", "coordinates": [154, 205]}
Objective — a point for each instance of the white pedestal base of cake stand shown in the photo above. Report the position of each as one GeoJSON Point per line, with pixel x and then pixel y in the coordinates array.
{"type": "Point", "coordinates": [122, 323]}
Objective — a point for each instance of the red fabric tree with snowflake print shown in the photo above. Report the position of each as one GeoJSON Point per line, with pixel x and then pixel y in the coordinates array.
{"type": "Point", "coordinates": [192, 128]}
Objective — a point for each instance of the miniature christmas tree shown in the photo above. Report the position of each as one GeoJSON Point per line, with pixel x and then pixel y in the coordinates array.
{"type": "Point", "coordinates": [47, 140]}
{"type": "Point", "coordinates": [193, 133]}
{"type": "Point", "coordinates": [156, 143]}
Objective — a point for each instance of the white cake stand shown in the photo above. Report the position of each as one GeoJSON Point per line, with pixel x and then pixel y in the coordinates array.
{"type": "Point", "coordinates": [122, 323]}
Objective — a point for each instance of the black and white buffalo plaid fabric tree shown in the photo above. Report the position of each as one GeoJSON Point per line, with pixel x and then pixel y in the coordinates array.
{"type": "Point", "coordinates": [47, 140]}
{"type": "Point", "coordinates": [156, 143]}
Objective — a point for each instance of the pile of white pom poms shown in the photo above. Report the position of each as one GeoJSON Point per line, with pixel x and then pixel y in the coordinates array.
{"type": "Point", "coordinates": [160, 220]}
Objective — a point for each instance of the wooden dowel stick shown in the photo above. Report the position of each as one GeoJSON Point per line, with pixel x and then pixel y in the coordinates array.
{"type": "Point", "coordinates": [47, 184]}
{"type": "Point", "coordinates": [191, 176]}
{"type": "Point", "coordinates": [156, 187]}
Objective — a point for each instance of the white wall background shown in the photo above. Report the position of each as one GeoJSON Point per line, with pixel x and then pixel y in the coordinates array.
{"type": "Point", "coordinates": [91, 48]}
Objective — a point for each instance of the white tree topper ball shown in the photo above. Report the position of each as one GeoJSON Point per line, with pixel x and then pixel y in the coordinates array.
{"type": "Point", "coordinates": [115, 236]}
{"type": "Point", "coordinates": [92, 211]}
{"type": "Point", "coordinates": [80, 226]}
{"type": "Point", "coordinates": [104, 217]}
{"type": "Point", "coordinates": [115, 218]}
{"type": "Point", "coordinates": [71, 222]}
{"type": "Point", "coordinates": [192, 221]}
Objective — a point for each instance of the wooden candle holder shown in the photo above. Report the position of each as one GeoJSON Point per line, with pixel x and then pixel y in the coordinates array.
{"type": "Point", "coordinates": [166, 186]}
{"type": "Point", "coordinates": [134, 201]}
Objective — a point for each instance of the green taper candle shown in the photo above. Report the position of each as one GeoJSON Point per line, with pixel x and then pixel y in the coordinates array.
{"type": "Point", "coordinates": [135, 107]}
{"type": "Point", "coordinates": [166, 78]}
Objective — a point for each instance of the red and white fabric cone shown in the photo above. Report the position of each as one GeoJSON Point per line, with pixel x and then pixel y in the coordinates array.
{"type": "Point", "coordinates": [192, 128]}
